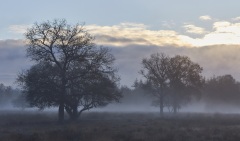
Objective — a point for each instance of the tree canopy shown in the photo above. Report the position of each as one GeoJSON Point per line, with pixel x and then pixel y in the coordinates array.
{"type": "Point", "coordinates": [221, 90]}
{"type": "Point", "coordinates": [171, 79]}
{"type": "Point", "coordinates": [69, 69]}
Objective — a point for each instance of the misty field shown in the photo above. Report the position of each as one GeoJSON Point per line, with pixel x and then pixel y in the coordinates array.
{"type": "Point", "coordinates": [100, 126]}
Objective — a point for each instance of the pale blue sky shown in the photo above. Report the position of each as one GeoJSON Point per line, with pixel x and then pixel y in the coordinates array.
{"type": "Point", "coordinates": [111, 12]}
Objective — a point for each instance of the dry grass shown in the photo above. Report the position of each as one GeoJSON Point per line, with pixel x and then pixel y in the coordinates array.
{"type": "Point", "coordinates": [35, 126]}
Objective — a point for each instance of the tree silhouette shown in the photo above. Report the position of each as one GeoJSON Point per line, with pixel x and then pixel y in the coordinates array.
{"type": "Point", "coordinates": [7, 94]}
{"type": "Point", "coordinates": [184, 80]}
{"type": "Point", "coordinates": [220, 90]}
{"type": "Point", "coordinates": [155, 71]}
{"type": "Point", "coordinates": [171, 80]}
{"type": "Point", "coordinates": [67, 64]}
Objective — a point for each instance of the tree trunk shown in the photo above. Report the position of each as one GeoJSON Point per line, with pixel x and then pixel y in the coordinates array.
{"type": "Point", "coordinates": [161, 106]}
{"type": "Point", "coordinates": [175, 109]}
{"type": "Point", "coordinates": [74, 115]}
{"type": "Point", "coordinates": [61, 112]}
{"type": "Point", "coordinates": [62, 100]}
{"type": "Point", "coordinates": [175, 102]}
{"type": "Point", "coordinates": [72, 112]}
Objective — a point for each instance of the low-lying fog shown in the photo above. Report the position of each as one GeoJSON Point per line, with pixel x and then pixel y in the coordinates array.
{"type": "Point", "coordinates": [196, 107]}
{"type": "Point", "coordinates": [199, 107]}
{"type": "Point", "coordinates": [135, 100]}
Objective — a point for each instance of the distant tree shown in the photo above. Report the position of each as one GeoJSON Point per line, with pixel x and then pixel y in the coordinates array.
{"type": "Point", "coordinates": [171, 80]}
{"type": "Point", "coordinates": [136, 96]}
{"type": "Point", "coordinates": [185, 79]}
{"type": "Point", "coordinates": [222, 90]}
{"type": "Point", "coordinates": [7, 95]}
{"type": "Point", "coordinates": [20, 101]}
{"type": "Point", "coordinates": [155, 71]}
{"type": "Point", "coordinates": [66, 59]}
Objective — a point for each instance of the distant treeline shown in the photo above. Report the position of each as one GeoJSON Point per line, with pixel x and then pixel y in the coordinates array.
{"type": "Point", "coordinates": [10, 96]}
{"type": "Point", "coordinates": [217, 92]}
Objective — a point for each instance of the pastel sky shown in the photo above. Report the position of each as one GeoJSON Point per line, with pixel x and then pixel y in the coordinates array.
{"type": "Point", "coordinates": [171, 26]}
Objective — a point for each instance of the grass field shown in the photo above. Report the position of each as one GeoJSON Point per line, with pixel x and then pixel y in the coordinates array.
{"type": "Point", "coordinates": [94, 126]}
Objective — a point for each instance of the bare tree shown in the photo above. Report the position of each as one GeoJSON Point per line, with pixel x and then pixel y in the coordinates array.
{"type": "Point", "coordinates": [69, 54]}
{"type": "Point", "coordinates": [184, 79]}
{"type": "Point", "coordinates": [155, 71]}
{"type": "Point", "coordinates": [171, 80]}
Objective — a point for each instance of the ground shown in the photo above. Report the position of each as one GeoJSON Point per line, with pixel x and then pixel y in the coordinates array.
{"type": "Point", "coordinates": [103, 126]}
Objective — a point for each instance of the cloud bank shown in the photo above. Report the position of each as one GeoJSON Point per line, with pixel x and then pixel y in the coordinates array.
{"type": "Point", "coordinates": [125, 34]}
{"type": "Point", "coordinates": [216, 50]}
{"type": "Point", "coordinates": [13, 60]}
{"type": "Point", "coordinates": [222, 32]}
{"type": "Point", "coordinates": [215, 60]}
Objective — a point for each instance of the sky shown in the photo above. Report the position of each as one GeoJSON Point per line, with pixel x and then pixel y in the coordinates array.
{"type": "Point", "coordinates": [208, 31]}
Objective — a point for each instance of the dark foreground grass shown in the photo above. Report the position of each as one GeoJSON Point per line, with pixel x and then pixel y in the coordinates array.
{"type": "Point", "coordinates": [37, 126]}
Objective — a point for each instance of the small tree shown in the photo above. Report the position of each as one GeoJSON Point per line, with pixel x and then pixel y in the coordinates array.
{"type": "Point", "coordinates": [171, 80]}
{"type": "Point", "coordinates": [155, 71]}
{"type": "Point", "coordinates": [6, 94]}
{"type": "Point", "coordinates": [66, 59]}
{"type": "Point", "coordinates": [184, 80]}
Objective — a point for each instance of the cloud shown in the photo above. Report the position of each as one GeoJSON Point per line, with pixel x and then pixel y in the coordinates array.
{"type": "Point", "coordinates": [227, 27]}
{"type": "Point", "coordinates": [126, 34]}
{"type": "Point", "coordinates": [223, 32]}
{"type": "Point", "coordinates": [236, 19]}
{"type": "Point", "coordinates": [13, 60]}
{"type": "Point", "coordinates": [190, 28]}
{"type": "Point", "coordinates": [205, 18]}
{"type": "Point", "coordinates": [134, 34]}
{"type": "Point", "coordinates": [215, 60]}
{"type": "Point", "coordinates": [18, 29]}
